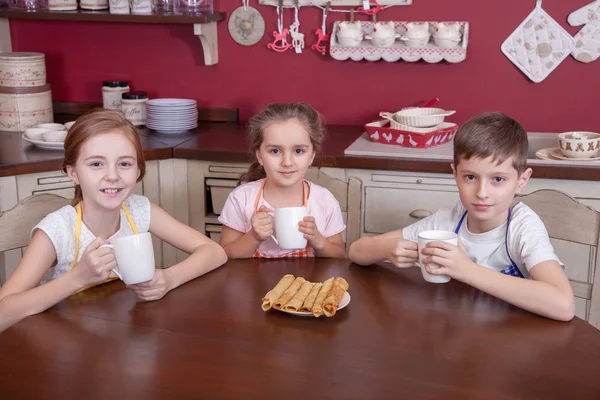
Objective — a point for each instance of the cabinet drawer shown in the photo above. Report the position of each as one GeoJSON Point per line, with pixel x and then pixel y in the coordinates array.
{"type": "Point", "coordinates": [56, 182]}
{"type": "Point", "coordinates": [389, 209]}
{"type": "Point", "coordinates": [219, 189]}
{"type": "Point", "coordinates": [214, 232]}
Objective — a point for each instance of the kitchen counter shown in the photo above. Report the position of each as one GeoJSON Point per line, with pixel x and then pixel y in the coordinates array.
{"type": "Point", "coordinates": [226, 142]}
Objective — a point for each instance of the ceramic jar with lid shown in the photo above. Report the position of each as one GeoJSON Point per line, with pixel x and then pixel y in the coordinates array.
{"type": "Point", "coordinates": [62, 5]}
{"type": "Point", "coordinates": [119, 6]}
{"type": "Point", "coordinates": [133, 105]}
{"type": "Point", "coordinates": [27, 107]}
{"type": "Point", "coordinates": [93, 4]}
{"type": "Point", "coordinates": [112, 92]}
{"type": "Point", "coordinates": [22, 69]}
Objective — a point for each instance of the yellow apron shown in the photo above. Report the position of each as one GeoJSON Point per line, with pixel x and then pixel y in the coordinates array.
{"type": "Point", "coordinates": [78, 234]}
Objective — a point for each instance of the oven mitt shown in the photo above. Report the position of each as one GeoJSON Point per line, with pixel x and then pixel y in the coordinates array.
{"type": "Point", "coordinates": [587, 43]}
{"type": "Point", "coordinates": [538, 45]}
{"type": "Point", "coordinates": [585, 14]}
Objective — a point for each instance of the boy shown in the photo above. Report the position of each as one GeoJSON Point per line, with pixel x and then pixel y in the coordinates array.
{"type": "Point", "coordinates": [498, 247]}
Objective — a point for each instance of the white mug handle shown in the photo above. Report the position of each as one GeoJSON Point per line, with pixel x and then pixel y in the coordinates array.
{"type": "Point", "coordinates": [273, 215]}
{"type": "Point", "coordinates": [115, 270]}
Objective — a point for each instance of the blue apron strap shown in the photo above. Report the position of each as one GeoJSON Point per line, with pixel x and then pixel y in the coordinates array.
{"type": "Point", "coordinates": [460, 222]}
{"type": "Point", "coordinates": [513, 269]}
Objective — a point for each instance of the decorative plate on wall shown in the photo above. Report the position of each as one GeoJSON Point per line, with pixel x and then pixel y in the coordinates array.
{"type": "Point", "coordinates": [246, 26]}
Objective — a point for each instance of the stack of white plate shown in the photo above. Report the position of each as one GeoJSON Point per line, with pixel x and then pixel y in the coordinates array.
{"type": "Point", "coordinates": [171, 115]}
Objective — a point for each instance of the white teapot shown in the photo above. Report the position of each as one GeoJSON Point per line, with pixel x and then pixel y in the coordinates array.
{"type": "Point", "coordinates": [447, 35]}
{"type": "Point", "coordinates": [349, 34]}
{"type": "Point", "coordinates": [417, 34]}
{"type": "Point", "coordinates": [384, 34]}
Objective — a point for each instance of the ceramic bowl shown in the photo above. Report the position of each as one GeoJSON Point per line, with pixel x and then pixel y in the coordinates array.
{"type": "Point", "coordinates": [579, 144]}
{"type": "Point", "coordinates": [350, 40]}
{"type": "Point", "coordinates": [385, 41]}
{"type": "Point", "coordinates": [54, 136]}
{"type": "Point", "coordinates": [35, 133]}
{"type": "Point", "coordinates": [415, 42]}
{"type": "Point", "coordinates": [446, 43]}
{"type": "Point", "coordinates": [69, 124]}
{"type": "Point", "coordinates": [421, 117]}
{"type": "Point", "coordinates": [53, 126]}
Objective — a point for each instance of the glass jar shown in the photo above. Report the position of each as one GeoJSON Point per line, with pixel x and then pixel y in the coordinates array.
{"type": "Point", "coordinates": [133, 105]}
{"type": "Point", "coordinates": [192, 7]}
{"type": "Point", "coordinates": [29, 5]}
{"type": "Point", "coordinates": [112, 92]}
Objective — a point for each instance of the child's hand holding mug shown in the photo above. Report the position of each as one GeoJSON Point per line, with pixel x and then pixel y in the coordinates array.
{"type": "Point", "coordinates": [308, 226]}
{"type": "Point", "coordinates": [96, 263]}
{"type": "Point", "coordinates": [400, 252]}
{"type": "Point", "coordinates": [262, 225]}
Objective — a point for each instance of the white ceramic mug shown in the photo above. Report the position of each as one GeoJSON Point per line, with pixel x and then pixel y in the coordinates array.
{"type": "Point", "coordinates": [434, 236]}
{"type": "Point", "coordinates": [287, 232]}
{"type": "Point", "coordinates": [135, 258]}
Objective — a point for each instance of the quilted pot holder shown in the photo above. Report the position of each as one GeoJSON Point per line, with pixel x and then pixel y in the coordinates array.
{"type": "Point", "coordinates": [538, 45]}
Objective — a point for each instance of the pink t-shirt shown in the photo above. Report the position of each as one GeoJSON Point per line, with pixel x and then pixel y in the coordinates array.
{"type": "Point", "coordinates": [239, 209]}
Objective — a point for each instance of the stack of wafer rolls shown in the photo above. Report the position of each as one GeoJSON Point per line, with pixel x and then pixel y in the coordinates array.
{"type": "Point", "coordinates": [299, 295]}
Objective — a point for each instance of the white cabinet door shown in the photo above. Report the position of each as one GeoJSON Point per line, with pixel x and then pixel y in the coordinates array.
{"type": "Point", "coordinates": [388, 209]}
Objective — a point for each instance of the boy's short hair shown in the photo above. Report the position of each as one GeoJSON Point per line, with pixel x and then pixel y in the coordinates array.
{"type": "Point", "coordinates": [492, 134]}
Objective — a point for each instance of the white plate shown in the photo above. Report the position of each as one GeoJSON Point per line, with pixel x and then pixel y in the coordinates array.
{"type": "Point", "coordinates": [345, 301]}
{"type": "Point", "coordinates": [171, 102]}
{"type": "Point", "coordinates": [45, 145]}
{"type": "Point", "coordinates": [556, 153]}
{"type": "Point", "coordinates": [170, 126]}
{"type": "Point", "coordinates": [171, 131]}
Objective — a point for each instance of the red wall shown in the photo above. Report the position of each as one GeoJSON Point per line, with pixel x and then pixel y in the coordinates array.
{"type": "Point", "coordinates": [167, 61]}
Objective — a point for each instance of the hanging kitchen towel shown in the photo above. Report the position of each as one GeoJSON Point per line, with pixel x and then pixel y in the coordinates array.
{"type": "Point", "coordinates": [585, 14]}
{"type": "Point", "coordinates": [587, 42]}
{"type": "Point", "coordinates": [538, 45]}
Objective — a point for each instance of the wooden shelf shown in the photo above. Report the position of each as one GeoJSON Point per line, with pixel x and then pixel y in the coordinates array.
{"type": "Point", "coordinates": [105, 16]}
{"type": "Point", "coordinates": [205, 26]}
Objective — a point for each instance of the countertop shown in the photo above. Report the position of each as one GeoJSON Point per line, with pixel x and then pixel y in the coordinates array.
{"type": "Point", "coordinates": [226, 142]}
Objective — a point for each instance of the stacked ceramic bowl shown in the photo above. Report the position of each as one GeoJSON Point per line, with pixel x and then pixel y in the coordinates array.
{"type": "Point", "coordinates": [171, 116]}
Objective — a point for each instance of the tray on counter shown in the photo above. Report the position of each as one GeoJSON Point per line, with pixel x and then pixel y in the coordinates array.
{"type": "Point", "coordinates": [420, 138]}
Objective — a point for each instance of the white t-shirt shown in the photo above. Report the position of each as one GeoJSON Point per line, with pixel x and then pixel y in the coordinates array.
{"type": "Point", "coordinates": [239, 208]}
{"type": "Point", "coordinates": [528, 241]}
{"type": "Point", "coordinates": [60, 228]}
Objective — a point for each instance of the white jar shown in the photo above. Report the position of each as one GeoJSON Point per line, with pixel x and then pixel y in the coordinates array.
{"type": "Point", "coordinates": [93, 4]}
{"type": "Point", "coordinates": [141, 7]}
{"type": "Point", "coordinates": [133, 105]}
{"type": "Point", "coordinates": [22, 69]}
{"type": "Point", "coordinates": [62, 5]}
{"type": "Point", "coordinates": [22, 108]}
{"type": "Point", "coordinates": [119, 6]}
{"type": "Point", "coordinates": [112, 92]}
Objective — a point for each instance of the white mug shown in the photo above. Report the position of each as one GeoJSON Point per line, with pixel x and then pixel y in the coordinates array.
{"type": "Point", "coordinates": [135, 258]}
{"type": "Point", "coordinates": [434, 236]}
{"type": "Point", "coordinates": [287, 232]}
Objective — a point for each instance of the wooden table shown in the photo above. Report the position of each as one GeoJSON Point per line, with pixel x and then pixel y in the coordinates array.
{"type": "Point", "coordinates": [399, 338]}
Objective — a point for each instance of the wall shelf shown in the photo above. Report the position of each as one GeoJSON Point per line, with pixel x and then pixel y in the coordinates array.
{"type": "Point", "coordinates": [205, 26]}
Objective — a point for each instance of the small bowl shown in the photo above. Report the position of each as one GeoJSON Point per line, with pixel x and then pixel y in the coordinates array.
{"type": "Point", "coordinates": [579, 144]}
{"type": "Point", "coordinates": [53, 126]}
{"type": "Point", "coordinates": [69, 124]}
{"type": "Point", "coordinates": [35, 133]}
{"type": "Point", "coordinates": [421, 117]}
{"type": "Point", "coordinates": [54, 136]}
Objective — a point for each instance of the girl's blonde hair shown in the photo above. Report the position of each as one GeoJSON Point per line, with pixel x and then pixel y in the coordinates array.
{"type": "Point", "coordinates": [97, 122]}
{"type": "Point", "coordinates": [311, 120]}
